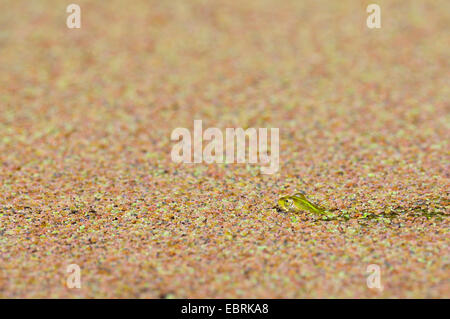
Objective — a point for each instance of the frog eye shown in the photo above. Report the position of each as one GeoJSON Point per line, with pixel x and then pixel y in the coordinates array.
{"type": "Point", "coordinates": [289, 202]}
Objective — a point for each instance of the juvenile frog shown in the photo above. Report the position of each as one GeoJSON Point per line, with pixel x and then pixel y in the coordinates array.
{"type": "Point", "coordinates": [298, 202]}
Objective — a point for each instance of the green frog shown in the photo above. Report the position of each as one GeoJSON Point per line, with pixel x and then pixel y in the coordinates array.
{"type": "Point", "coordinates": [298, 202]}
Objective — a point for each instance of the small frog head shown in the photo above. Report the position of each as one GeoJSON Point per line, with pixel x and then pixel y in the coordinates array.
{"type": "Point", "coordinates": [285, 203]}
